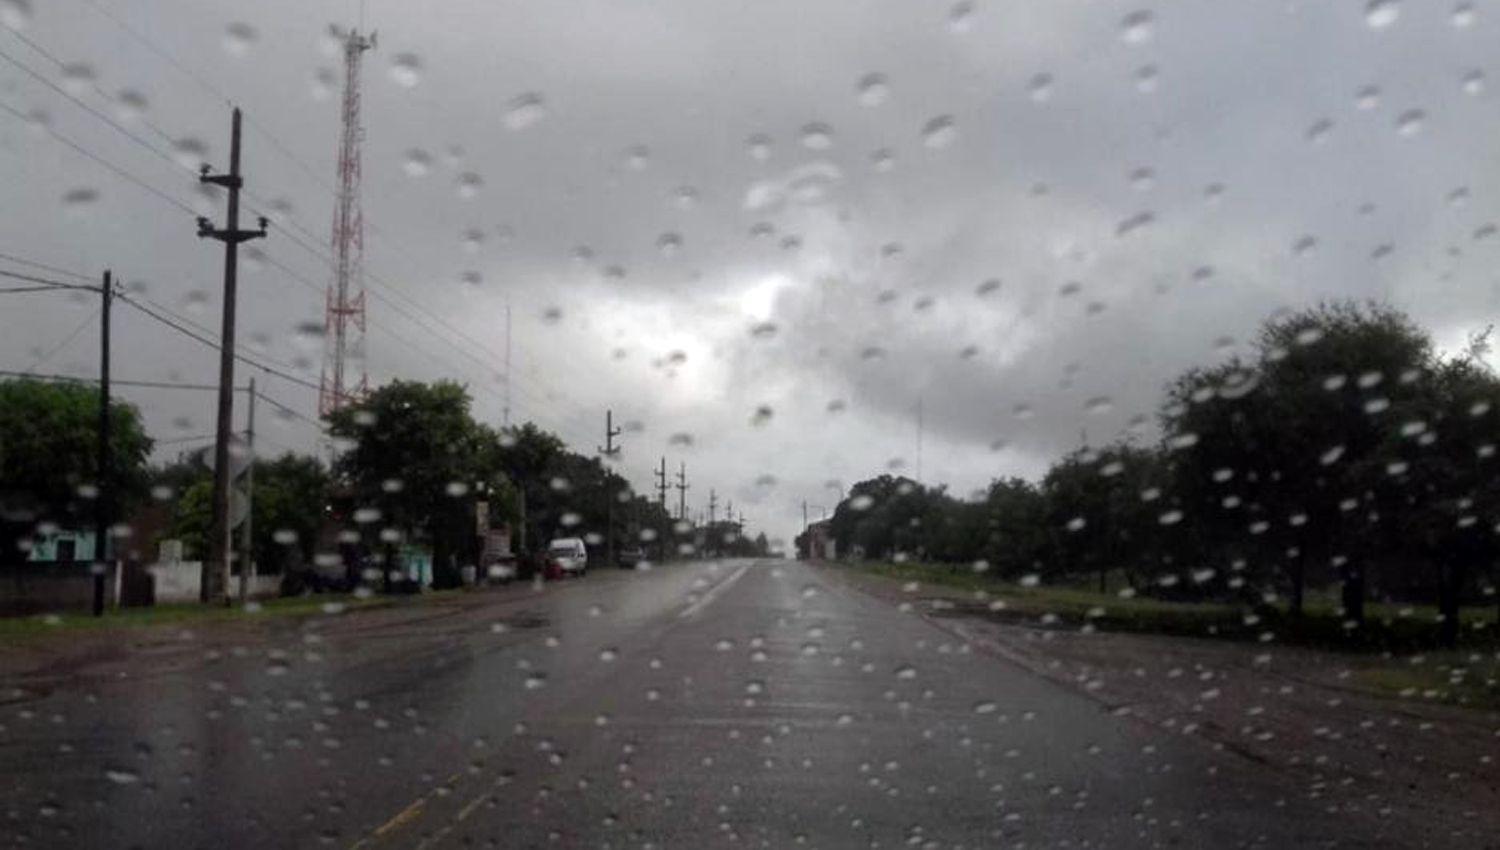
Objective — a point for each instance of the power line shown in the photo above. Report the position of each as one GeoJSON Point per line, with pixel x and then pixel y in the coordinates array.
{"type": "Point", "coordinates": [174, 440]}
{"type": "Point", "coordinates": [159, 385]}
{"type": "Point", "coordinates": [72, 335]}
{"type": "Point", "coordinates": [317, 252]}
{"type": "Point", "coordinates": [44, 283]}
{"type": "Point", "coordinates": [14, 290]}
{"type": "Point", "coordinates": [167, 157]}
{"type": "Point", "coordinates": [413, 312]}
{"type": "Point", "coordinates": [208, 332]}
{"type": "Point", "coordinates": [129, 177]}
{"type": "Point", "coordinates": [214, 344]}
{"type": "Point", "coordinates": [43, 376]}
{"type": "Point", "coordinates": [291, 412]}
{"type": "Point", "coordinates": [115, 169]}
{"type": "Point", "coordinates": [43, 266]}
{"type": "Point", "coordinates": [125, 131]}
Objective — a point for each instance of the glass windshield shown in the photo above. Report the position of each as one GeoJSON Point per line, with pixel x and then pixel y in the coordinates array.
{"type": "Point", "coordinates": [974, 423]}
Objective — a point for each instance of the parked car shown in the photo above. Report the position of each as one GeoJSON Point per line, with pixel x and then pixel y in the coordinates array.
{"type": "Point", "coordinates": [630, 557]}
{"type": "Point", "coordinates": [568, 555]}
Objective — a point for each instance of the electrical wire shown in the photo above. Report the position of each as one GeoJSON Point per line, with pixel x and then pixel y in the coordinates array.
{"type": "Point", "coordinates": [282, 148]}
{"type": "Point", "coordinates": [44, 283]}
{"type": "Point", "coordinates": [184, 330]}
{"type": "Point", "coordinates": [288, 410]}
{"type": "Point", "coordinates": [167, 157]}
{"type": "Point", "coordinates": [43, 266]}
{"type": "Point", "coordinates": [111, 167]}
{"type": "Point", "coordinates": [197, 438]}
{"type": "Point", "coordinates": [123, 130]}
{"type": "Point", "coordinates": [167, 385]}
{"type": "Point", "coordinates": [66, 340]}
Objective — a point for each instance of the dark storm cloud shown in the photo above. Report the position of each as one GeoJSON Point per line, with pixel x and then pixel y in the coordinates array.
{"type": "Point", "coordinates": [700, 212]}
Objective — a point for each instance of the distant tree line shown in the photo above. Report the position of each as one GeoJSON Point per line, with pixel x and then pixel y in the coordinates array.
{"type": "Point", "coordinates": [1344, 451]}
{"type": "Point", "coordinates": [412, 465]}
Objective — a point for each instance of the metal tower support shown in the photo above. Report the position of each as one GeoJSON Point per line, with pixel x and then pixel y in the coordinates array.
{"type": "Point", "coordinates": [344, 378]}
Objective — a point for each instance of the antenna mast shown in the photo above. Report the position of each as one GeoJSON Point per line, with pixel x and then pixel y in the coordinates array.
{"type": "Point", "coordinates": [344, 378]}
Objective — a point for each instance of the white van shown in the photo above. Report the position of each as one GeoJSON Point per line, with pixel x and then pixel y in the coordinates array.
{"type": "Point", "coordinates": [570, 555]}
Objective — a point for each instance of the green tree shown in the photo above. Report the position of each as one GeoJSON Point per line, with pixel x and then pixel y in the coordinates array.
{"type": "Point", "coordinates": [528, 455]}
{"type": "Point", "coordinates": [417, 463]}
{"type": "Point", "coordinates": [1435, 480]}
{"type": "Point", "coordinates": [1104, 511]}
{"type": "Point", "coordinates": [291, 497]}
{"type": "Point", "coordinates": [49, 457]}
{"type": "Point", "coordinates": [1270, 454]}
{"type": "Point", "coordinates": [882, 517]}
{"type": "Point", "coordinates": [1017, 539]}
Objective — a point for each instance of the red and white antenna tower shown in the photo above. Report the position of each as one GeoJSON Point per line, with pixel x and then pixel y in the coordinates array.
{"type": "Point", "coordinates": [344, 378]}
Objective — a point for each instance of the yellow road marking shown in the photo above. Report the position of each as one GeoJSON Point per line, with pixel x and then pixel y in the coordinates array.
{"type": "Point", "coordinates": [403, 816]}
{"type": "Point", "coordinates": [469, 809]}
{"type": "Point", "coordinates": [408, 814]}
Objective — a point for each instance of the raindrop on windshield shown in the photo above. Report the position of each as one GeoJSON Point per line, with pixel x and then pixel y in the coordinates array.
{"type": "Point", "coordinates": [524, 111]}
{"type": "Point", "coordinates": [406, 70]}
{"type": "Point", "coordinates": [759, 147]}
{"type": "Point", "coordinates": [239, 37]}
{"type": "Point", "coordinates": [417, 163]}
{"type": "Point", "coordinates": [1380, 14]}
{"type": "Point", "coordinates": [15, 14]}
{"type": "Point", "coordinates": [873, 89]}
{"type": "Point", "coordinates": [961, 16]}
{"type": "Point", "coordinates": [817, 136]}
{"type": "Point", "coordinates": [468, 185]}
{"type": "Point", "coordinates": [940, 132]}
{"type": "Point", "coordinates": [1136, 27]}
{"type": "Point", "coordinates": [1409, 123]}
{"type": "Point", "coordinates": [78, 77]}
{"type": "Point", "coordinates": [1039, 89]}
{"type": "Point", "coordinates": [130, 104]}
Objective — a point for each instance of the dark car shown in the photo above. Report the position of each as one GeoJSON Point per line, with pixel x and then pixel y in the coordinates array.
{"type": "Point", "coordinates": [630, 557]}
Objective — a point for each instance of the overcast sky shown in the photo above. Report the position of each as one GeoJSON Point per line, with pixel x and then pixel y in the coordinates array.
{"type": "Point", "coordinates": [701, 209]}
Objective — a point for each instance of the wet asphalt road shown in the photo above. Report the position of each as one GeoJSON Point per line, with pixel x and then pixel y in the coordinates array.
{"type": "Point", "coordinates": [759, 704]}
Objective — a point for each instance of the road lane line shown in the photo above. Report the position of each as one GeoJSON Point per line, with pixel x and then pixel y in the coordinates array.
{"type": "Point", "coordinates": [402, 817]}
{"type": "Point", "coordinates": [406, 815]}
{"type": "Point", "coordinates": [713, 593]}
{"type": "Point", "coordinates": [474, 804]}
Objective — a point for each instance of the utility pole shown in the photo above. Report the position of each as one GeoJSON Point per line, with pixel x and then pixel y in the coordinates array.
{"type": "Point", "coordinates": [919, 439]}
{"type": "Point", "coordinates": [682, 488]}
{"type": "Point", "coordinates": [661, 500]}
{"type": "Point", "coordinates": [609, 450]}
{"type": "Point", "coordinates": [214, 579]}
{"type": "Point", "coordinates": [106, 490]}
{"type": "Point", "coordinates": [506, 419]}
{"type": "Point", "coordinates": [247, 541]}
{"type": "Point", "coordinates": [804, 514]}
{"type": "Point", "coordinates": [713, 502]}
